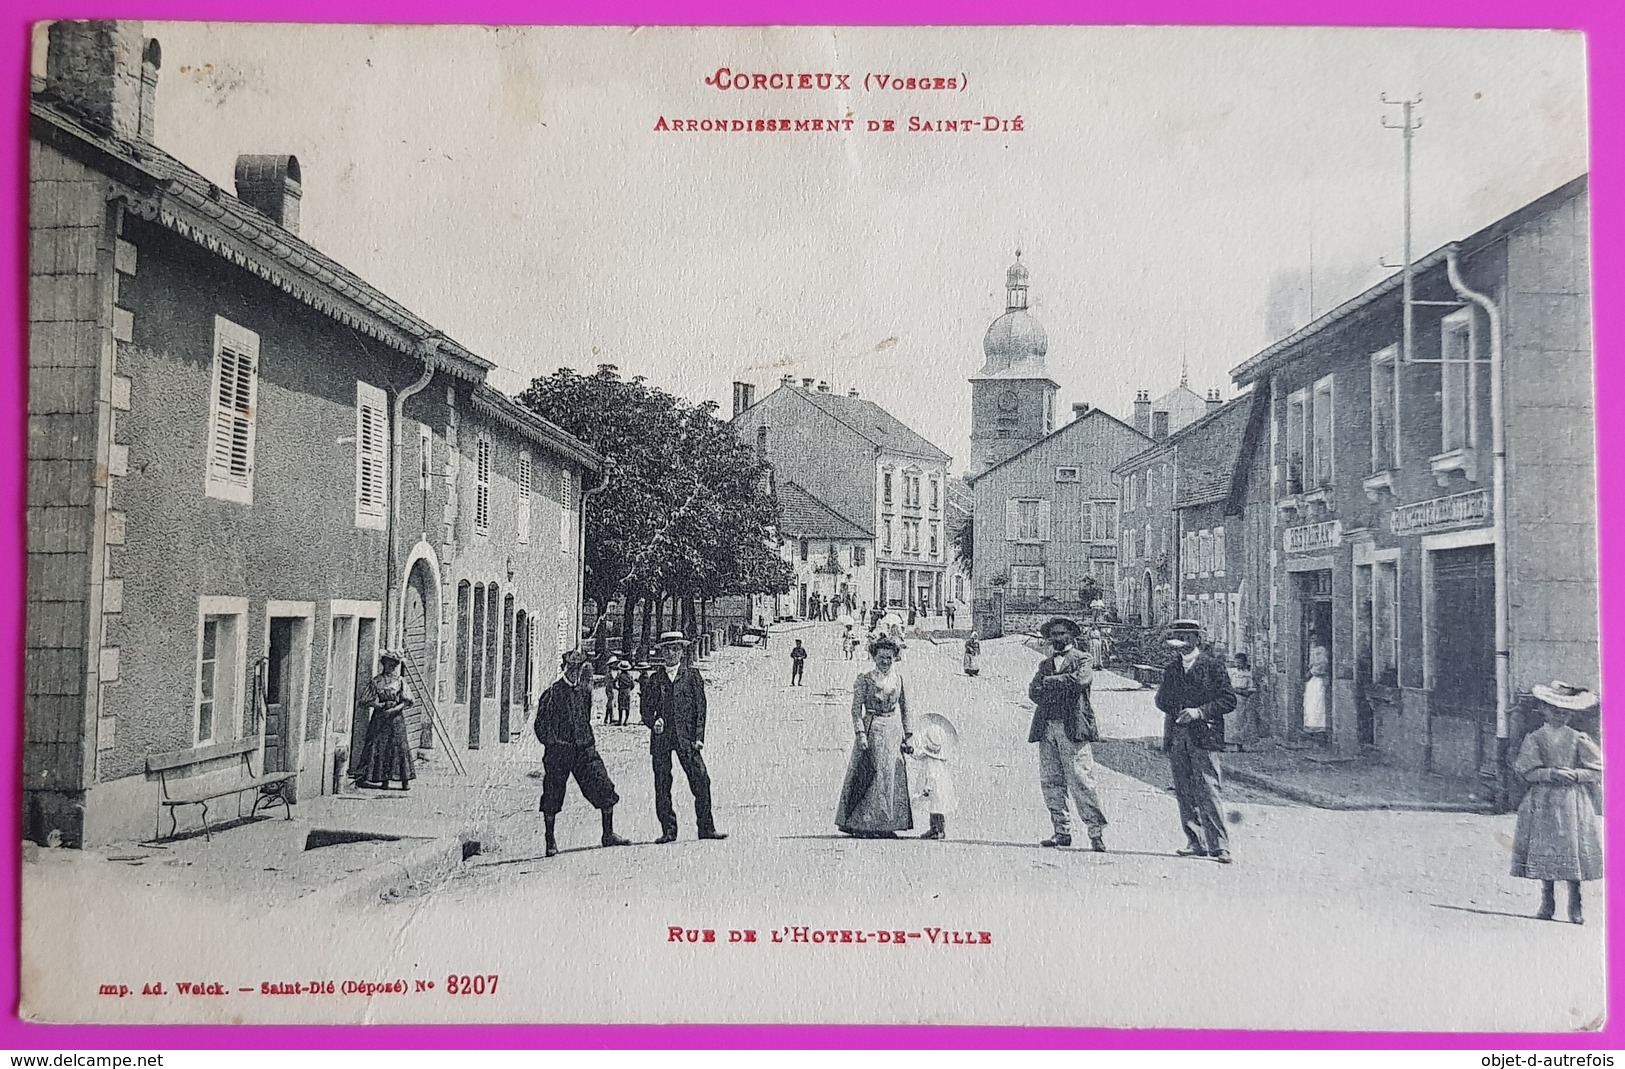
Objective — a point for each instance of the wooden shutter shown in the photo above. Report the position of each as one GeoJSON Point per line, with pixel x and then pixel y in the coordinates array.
{"type": "Point", "coordinates": [482, 485]}
{"type": "Point", "coordinates": [1012, 520]}
{"type": "Point", "coordinates": [524, 497]}
{"type": "Point", "coordinates": [567, 504]}
{"type": "Point", "coordinates": [1043, 519]}
{"type": "Point", "coordinates": [371, 445]}
{"type": "Point", "coordinates": [233, 414]}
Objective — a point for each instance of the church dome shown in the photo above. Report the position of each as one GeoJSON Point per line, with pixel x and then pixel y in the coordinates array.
{"type": "Point", "coordinates": [1016, 341]}
{"type": "Point", "coordinates": [1017, 275]}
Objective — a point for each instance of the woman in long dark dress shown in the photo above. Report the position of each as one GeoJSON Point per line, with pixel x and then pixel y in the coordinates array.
{"type": "Point", "coordinates": [874, 800]}
{"type": "Point", "coordinates": [387, 753]}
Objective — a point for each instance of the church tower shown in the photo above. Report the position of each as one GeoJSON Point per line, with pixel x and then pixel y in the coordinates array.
{"type": "Point", "coordinates": [1012, 399]}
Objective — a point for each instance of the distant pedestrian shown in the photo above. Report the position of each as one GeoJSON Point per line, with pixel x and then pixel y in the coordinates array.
{"type": "Point", "coordinates": [948, 611]}
{"type": "Point", "coordinates": [1194, 697]}
{"type": "Point", "coordinates": [913, 613]}
{"type": "Point", "coordinates": [798, 663]}
{"type": "Point", "coordinates": [973, 655]}
{"type": "Point", "coordinates": [624, 685]}
{"type": "Point", "coordinates": [564, 727]}
{"type": "Point", "coordinates": [1064, 728]}
{"type": "Point", "coordinates": [1316, 700]}
{"type": "Point", "coordinates": [761, 625]}
{"type": "Point", "coordinates": [386, 752]}
{"type": "Point", "coordinates": [938, 743]}
{"type": "Point", "coordinates": [849, 641]}
{"type": "Point", "coordinates": [675, 717]}
{"type": "Point", "coordinates": [1557, 837]}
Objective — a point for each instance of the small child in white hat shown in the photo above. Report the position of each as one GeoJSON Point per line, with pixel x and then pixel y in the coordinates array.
{"type": "Point", "coordinates": [935, 753]}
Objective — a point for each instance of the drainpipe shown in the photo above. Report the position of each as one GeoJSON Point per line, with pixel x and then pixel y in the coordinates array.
{"type": "Point", "coordinates": [581, 554]}
{"type": "Point", "coordinates": [391, 602]}
{"type": "Point", "coordinates": [1503, 654]}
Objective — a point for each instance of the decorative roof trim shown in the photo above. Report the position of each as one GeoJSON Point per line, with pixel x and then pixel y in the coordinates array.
{"type": "Point", "coordinates": [499, 407]}
{"type": "Point", "coordinates": [264, 249]}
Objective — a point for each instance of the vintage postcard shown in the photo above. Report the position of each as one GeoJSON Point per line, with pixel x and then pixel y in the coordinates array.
{"type": "Point", "coordinates": [1047, 526]}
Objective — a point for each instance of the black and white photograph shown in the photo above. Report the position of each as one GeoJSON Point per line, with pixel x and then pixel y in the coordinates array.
{"type": "Point", "coordinates": [1049, 526]}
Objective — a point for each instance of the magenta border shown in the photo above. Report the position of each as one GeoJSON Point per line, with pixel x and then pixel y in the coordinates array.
{"type": "Point", "coordinates": [1604, 24]}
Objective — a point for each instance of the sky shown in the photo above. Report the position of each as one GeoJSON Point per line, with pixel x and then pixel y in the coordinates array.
{"type": "Point", "coordinates": [1171, 190]}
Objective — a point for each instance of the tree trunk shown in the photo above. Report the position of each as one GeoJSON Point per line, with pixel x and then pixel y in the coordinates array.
{"type": "Point", "coordinates": [627, 609]}
{"type": "Point", "coordinates": [704, 622]}
{"type": "Point", "coordinates": [648, 614]}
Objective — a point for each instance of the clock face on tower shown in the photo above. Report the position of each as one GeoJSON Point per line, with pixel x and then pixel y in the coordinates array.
{"type": "Point", "coordinates": [1007, 401]}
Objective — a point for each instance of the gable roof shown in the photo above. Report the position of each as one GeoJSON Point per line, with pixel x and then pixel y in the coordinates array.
{"type": "Point", "coordinates": [970, 480]}
{"type": "Point", "coordinates": [873, 423]}
{"type": "Point", "coordinates": [803, 515]}
{"type": "Point", "coordinates": [1158, 447]}
{"type": "Point", "coordinates": [182, 200]}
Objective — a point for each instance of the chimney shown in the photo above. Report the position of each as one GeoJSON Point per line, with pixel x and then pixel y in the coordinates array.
{"type": "Point", "coordinates": [95, 70]}
{"type": "Point", "coordinates": [823, 387]}
{"type": "Point", "coordinates": [1079, 410]}
{"type": "Point", "coordinates": [853, 392]}
{"type": "Point", "coordinates": [807, 384]}
{"type": "Point", "coordinates": [1159, 425]}
{"type": "Point", "coordinates": [1142, 413]}
{"type": "Point", "coordinates": [1214, 401]}
{"type": "Point", "coordinates": [271, 184]}
{"type": "Point", "coordinates": [787, 380]}
{"type": "Point", "coordinates": [152, 57]}
{"type": "Point", "coordinates": [744, 396]}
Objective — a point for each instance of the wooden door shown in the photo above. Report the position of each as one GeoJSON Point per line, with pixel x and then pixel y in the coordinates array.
{"type": "Point", "coordinates": [1464, 633]}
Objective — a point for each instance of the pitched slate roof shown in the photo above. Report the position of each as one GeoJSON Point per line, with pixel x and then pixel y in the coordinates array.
{"type": "Point", "coordinates": [801, 515]}
{"type": "Point", "coordinates": [874, 423]}
{"type": "Point", "coordinates": [1062, 429]}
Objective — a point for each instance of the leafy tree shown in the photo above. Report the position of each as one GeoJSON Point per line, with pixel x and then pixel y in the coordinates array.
{"type": "Point", "coordinates": [962, 533]}
{"type": "Point", "coordinates": [685, 515]}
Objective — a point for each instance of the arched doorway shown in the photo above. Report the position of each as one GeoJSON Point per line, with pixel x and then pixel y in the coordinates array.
{"type": "Point", "coordinates": [1148, 604]}
{"type": "Point", "coordinates": [420, 634]}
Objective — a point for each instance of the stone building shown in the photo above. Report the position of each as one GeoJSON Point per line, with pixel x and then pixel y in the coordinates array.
{"type": "Point", "coordinates": [833, 558]}
{"type": "Point", "coordinates": [1428, 497]}
{"type": "Point", "coordinates": [866, 466]}
{"type": "Point", "coordinates": [1173, 550]}
{"type": "Point", "coordinates": [248, 470]}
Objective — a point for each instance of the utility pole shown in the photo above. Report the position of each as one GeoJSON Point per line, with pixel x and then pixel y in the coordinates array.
{"type": "Point", "coordinates": [1408, 125]}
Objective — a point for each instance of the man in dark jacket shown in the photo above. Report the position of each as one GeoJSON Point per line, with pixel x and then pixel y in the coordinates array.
{"type": "Point", "coordinates": [1064, 726]}
{"type": "Point", "coordinates": [1194, 697]}
{"type": "Point", "coordinates": [564, 726]}
{"type": "Point", "coordinates": [674, 711]}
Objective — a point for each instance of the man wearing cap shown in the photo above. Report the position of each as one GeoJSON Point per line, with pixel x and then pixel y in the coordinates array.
{"type": "Point", "coordinates": [1063, 727]}
{"type": "Point", "coordinates": [1194, 697]}
{"type": "Point", "coordinates": [673, 709]}
{"type": "Point", "coordinates": [564, 726]}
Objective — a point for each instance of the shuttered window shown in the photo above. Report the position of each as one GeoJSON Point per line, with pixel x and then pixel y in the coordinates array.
{"type": "Point", "coordinates": [482, 486]}
{"type": "Point", "coordinates": [232, 413]}
{"type": "Point", "coordinates": [1026, 520]}
{"type": "Point", "coordinates": [524, 497]}
{"type": "Point", "coordinates": [371, 456]}
{"type": "Point", "coordinates": [567, 505]}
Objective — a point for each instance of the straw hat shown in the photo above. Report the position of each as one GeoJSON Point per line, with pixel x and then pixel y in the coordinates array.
{"type": "Point", "coordinates": [938, 736]}
{"type": "Point", "coordinates": [1060, 621]}
{"type": "Point", "coordinates": [1564, 696]}
{"type": "Point", "coordinates": [1184, 633]}
{"type": "Point", "coordinates": [672, 638]}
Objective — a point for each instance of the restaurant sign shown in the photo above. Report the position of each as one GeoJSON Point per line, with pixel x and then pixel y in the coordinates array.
{"type": "Point", "coordinates": [1441, 513]}
{"type": "Point", "coordinates": [1313, 536]}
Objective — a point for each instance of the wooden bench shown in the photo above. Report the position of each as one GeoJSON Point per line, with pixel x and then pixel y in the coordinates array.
{"type": "Point", "coordinates": [177, 787]}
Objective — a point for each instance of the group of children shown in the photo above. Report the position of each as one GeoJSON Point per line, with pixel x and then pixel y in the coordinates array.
{"type": "Point", "coordinates": [619, 682]}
